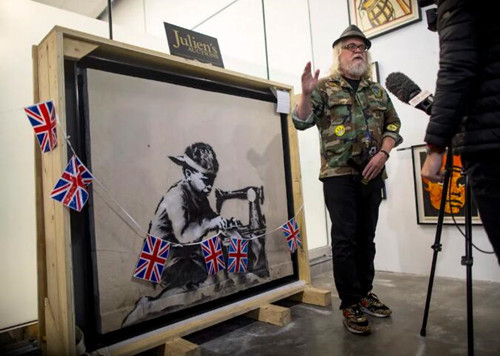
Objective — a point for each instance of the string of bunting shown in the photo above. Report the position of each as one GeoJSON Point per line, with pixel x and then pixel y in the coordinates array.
{"type": "Point", "coordinates": [71, 190]}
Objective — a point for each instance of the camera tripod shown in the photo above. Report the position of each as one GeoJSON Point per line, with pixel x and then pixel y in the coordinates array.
{"type": "Point", "coordinates": [466, 260]}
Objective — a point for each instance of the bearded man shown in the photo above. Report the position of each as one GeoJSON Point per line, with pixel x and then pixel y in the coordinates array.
{"type": "Point", "coordinates": [358, 128]}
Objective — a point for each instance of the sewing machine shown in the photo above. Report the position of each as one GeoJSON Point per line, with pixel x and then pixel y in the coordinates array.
{"type": "Point", "coordinates": [257, 262]}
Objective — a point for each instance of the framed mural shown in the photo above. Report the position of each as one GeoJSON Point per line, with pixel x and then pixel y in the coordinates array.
{"type": "Point", "coordinates": [157, 145]}
{"type": "Point", "coordinates": [183, 161]}
{"type": "Point", "coordinates": [376, 17]}
{"type": "Point", "coordinates": [428, 194]}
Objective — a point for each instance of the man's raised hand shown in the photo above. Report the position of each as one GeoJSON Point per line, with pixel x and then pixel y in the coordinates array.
{"type": "Point", "coordinates": [308, 80]}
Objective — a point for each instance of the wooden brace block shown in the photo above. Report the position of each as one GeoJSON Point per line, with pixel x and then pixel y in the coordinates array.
{"type": "Point", "coordinates": [179, 347]}
{"type": "Point", "coordinates": [271, 314]}
{"type": "Point", "coordinates": [76, 50]}
{"type": "Point", "coordinates": [313, 296]}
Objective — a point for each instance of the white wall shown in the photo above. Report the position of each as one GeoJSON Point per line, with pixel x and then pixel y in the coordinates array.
{"type": "Point", "coordinates": [24, 23]}
{"type": "Point", "coordinates": [402, 245]}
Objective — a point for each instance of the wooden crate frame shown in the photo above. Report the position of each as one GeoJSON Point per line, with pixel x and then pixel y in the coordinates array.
{"type": "Point", "coordinates": [55, 280]}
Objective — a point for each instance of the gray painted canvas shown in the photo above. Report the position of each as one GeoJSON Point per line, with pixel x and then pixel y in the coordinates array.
{"type": "Point", "coordinates": [140, 135]}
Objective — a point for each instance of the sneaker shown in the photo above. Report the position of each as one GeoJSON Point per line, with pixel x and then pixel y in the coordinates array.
{"type": "Point", "coordinates": [355, 321]}
{"type": "Point", "coordinates": [371, 305]}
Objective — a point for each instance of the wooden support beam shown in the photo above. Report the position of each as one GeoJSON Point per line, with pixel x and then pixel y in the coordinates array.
{"type": "Point", "coordinates": [157, 337]}
{"type": "Point", "coordinates": [298, 201]}
{"type": "Point", "coordinates": [315, 296]}
{"type": "Point", "coordinates": [59, 302]}
{"type": "Point", "coordinates": [178, 347]}
{"type": "Point", "coordinates": [271, 314]}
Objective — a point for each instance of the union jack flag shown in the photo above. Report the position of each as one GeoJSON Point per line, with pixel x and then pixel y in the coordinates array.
{"type": "Point", "coordinates": [292, 234]}
{"type": "Point", "coordinates": [152, 259]}
{"type": "Point", "coordinates": [237, 255]}
{"type": "Point", "coordinates": [42, 117]}
{"type": "Point", "coordinates": [71, 189]}
{"type": "Point", "coordinates": [212, 251]}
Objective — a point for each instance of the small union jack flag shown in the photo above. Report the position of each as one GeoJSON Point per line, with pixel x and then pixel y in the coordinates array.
{"type": "Point", "coordinates": [71, 189]}
{"type": "Point", "coordinates": [212, 251]}
{"type": "Point", "coordinates": [42, 117]}
{"type": "Point", "coordinates": [237, 255]}
{"type": "Point", "coordinates": [292, 234]}
{"type": "Point", "coordinates": [152, 259]}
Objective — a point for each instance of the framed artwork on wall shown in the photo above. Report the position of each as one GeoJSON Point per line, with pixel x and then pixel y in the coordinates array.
{"type": "Point", "coordinates": [376, 78]}
{"type": "Point", "coordinates": [428, 194]}
{"type": "Point", "coordinates": [376, 17]}
{"type": "Point", "coordinates": [375, 74]}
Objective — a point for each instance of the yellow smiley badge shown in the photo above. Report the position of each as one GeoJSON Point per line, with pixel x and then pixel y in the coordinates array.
{"type": "Point", "coordinates": [340, 130]}
{"type": "Point", "coordinates": [392, 127]}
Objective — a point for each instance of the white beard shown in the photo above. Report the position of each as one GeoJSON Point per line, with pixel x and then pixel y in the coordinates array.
{"type": "Point", "coordinates": [357, 69]}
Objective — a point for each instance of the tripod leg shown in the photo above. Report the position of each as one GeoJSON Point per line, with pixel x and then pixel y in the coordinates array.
{"type": "Point", "coordinates": [467, 260]}
{"type": "Point", "coordinates": [437, 240]}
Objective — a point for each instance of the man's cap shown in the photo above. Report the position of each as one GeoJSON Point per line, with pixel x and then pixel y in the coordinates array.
{"type": "Point", "coordinates": [353, 31]}
{"type": "Point", "coordinates": [200, 157]}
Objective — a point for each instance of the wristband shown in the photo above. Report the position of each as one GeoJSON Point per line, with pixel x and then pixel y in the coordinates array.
{"type": "Point", "coordinates": [385, 152]}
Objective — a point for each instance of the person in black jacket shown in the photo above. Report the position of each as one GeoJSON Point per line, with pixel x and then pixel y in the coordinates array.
{"type": "Point", "coordinates": [466, 110]}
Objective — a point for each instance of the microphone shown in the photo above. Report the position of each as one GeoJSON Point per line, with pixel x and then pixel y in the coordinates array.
{"type": "Point", "coordinates": [408, 92]}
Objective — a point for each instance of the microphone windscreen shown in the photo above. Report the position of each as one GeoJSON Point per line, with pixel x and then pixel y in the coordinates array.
{"type": "Point", "coordinates": [401, 86]}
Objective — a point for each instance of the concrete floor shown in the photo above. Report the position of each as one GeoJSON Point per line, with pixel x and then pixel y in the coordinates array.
{"type": "Point", "coordinates": [319, 331]}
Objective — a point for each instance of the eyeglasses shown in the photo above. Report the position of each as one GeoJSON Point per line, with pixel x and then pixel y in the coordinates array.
{"type": "Point", "coordinates": [352, 47]}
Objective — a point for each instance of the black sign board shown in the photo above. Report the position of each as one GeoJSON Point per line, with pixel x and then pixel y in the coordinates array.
{"type": "Point", "coordinates": [193, 45]}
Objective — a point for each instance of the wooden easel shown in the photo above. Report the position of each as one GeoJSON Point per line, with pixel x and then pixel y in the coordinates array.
{"type": "Point", "coordinates": [55, 293]}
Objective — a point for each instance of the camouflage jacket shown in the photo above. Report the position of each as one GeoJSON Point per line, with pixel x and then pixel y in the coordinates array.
{"type": "Point", "coordinates": [351, 125]}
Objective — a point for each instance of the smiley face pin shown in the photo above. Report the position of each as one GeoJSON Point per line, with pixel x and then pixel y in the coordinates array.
{"type": "Point", "coordinates": [340, 130]}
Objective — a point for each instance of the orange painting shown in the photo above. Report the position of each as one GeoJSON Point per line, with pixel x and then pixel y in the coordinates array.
{"type": "Point", "coordinates": [429, 194]}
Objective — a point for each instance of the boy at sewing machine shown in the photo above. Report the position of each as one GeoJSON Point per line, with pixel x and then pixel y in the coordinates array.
{"type": "Point", "coordinates": [184, 216]}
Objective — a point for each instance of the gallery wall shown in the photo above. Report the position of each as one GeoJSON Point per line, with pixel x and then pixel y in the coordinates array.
{"type": "Point", "coordinates": [296, 31]}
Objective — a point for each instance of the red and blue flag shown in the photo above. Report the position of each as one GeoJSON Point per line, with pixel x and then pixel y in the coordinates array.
{"type": "Point", "coordinates": [237, 256]}
{"type": "Point", "coordinates": [212, 252]}
{"type": "Point", "coordinates": [152, 259]}
{"type": "Point", "coordinates": [42, 117]}
{"type": "Point", "coordinates": [71, 188]}
{"type": "Point", "coordinates": [292, 234]}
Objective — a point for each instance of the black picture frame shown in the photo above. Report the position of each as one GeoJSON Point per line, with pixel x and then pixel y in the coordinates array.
{"type": "Point", "coordinates": [82, 224]}
{"type": "Point", "coordinates": [428, 194]}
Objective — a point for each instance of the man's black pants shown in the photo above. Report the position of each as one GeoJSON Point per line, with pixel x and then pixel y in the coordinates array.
{"type": "Point", "coordinates": [353, 208]}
